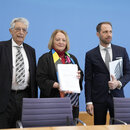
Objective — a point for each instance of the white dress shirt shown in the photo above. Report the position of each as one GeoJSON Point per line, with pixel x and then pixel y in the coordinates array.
{"type": "Point", "coordinates": [103, 51]}
{"type": "Point", "coordinates": [16, 86]}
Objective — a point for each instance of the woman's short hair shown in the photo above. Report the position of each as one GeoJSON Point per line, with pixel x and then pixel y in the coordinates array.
{"type": "Point", "coordinates": [20, 19]}
{"type": "Point", "coordinates": [51, 41]}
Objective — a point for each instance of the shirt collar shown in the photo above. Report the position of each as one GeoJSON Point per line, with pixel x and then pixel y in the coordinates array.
{"type": "Point", "coordinates": [102, 47]}
{"type": "Point", "coordinates": [14, 44]}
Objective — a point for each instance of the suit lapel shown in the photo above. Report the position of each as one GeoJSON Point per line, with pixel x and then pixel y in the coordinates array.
{"type": "Point", "coordinates": [9, 54]}
{"type": "Point", "coordinates": [53, 66]}
{"type": "Point", "coordinates": [98, 54]}
{"type": "Point", "coordinates": [28, 55]}
{"type": "Point", "coordinates": [113, 52]}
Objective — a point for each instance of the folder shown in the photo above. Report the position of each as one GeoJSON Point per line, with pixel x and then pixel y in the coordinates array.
{"type": "Point", "coordinates": [67, 75]}
{"type": "Point", "coordinates": [116, 68]}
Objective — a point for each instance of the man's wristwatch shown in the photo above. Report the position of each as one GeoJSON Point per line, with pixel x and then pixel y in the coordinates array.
{"type": "Point", "coordinates": [119, 85]}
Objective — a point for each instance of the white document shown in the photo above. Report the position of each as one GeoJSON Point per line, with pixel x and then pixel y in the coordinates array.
{"type": "Point", "coordinates": [67, 75]}
{"type": "Point", "coordinates": [116, 68]}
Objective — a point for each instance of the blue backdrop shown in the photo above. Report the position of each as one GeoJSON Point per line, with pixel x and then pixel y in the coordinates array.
{"type": "Point", "coordinates": [77, 17]}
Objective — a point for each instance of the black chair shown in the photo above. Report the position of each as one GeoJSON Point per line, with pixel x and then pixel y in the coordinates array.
{"type": "Point", "coordinates": [43, 112]}
{"type": "Point", "coordinates": [121, 111]}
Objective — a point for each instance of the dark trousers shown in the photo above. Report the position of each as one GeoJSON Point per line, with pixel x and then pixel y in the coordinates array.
{"type": "Point", "coordinates": [100, 111]}
{"type": "Point", "coordinates": [13, 111]}
{"type": "Point", "coordinates": [3, 120]}
{"type": "Point", "coordinates": [75, 112]}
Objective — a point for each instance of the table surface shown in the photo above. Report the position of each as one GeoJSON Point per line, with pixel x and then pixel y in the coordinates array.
{"type": "Point", "coordinates": [98, 127]}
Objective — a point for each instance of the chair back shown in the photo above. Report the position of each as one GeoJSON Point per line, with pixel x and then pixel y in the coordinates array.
{"type": "Point", "coordinates": [40, 112]}
{"type": "Point", "coordinates": [122, 110]}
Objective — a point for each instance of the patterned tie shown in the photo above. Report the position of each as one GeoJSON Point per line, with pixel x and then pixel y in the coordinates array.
{"type": "Point", "coordinates": [20, 71]}
{"type": "Point", "coordinates": [74, 98]}
{"type": "Point", "coordinates": [107, 58]}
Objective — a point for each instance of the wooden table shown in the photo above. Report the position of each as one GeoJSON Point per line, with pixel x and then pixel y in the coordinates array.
{"type": "Point", "coordinates": [98, 127]}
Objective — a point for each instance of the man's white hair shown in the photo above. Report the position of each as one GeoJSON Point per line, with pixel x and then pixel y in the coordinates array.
{"type": "Point", "coordinates": [20, 19]}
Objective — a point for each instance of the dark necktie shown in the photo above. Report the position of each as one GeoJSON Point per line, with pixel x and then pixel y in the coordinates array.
{"type": "Point", "coordinates": [20, 71]}
{"type": "Point", "coordinates": [107, 58]}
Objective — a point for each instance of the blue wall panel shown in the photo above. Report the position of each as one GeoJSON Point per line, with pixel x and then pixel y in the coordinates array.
{"type": "Point", "coordinates": [77, 17]}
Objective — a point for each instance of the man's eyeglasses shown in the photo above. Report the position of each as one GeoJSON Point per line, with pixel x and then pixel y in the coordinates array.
{"type": "Point", "coordinates": [19, 29]}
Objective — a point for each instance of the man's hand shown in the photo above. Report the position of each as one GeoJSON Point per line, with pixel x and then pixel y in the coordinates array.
{"type": "Point", "coordinates": [90, 109]}
{"type": "Point", "coordinates": [113, 83]}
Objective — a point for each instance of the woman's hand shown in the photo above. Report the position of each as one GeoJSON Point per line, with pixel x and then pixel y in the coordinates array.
{"type": "Point", "coordinates": [79, 75]}
{"type": "Point", "coordinates": [56, 85]}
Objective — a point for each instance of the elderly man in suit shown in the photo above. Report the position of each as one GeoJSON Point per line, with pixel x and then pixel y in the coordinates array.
{"type": "Point", "coordinates": [99, 89]}
{"type": "Point", "coordinates": [17, 73]}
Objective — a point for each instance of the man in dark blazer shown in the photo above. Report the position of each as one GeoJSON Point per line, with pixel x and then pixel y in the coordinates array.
{"type": "Point", "coordinates": [11, 92]}
{"type": "Point", "coordinates": [99, 89]}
